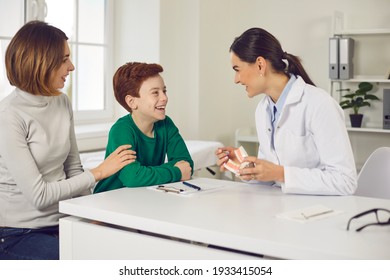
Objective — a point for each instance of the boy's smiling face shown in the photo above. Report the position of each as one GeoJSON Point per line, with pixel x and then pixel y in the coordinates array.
{"type": "Point", "coordinates": [151, 104]}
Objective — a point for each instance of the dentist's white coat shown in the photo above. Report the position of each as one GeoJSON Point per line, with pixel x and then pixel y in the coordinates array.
{"type": "Point", "coordinates": [311, 142]}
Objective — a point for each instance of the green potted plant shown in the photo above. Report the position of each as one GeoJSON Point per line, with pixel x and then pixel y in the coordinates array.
{"type": "Point", "coordinates": [357, 99]}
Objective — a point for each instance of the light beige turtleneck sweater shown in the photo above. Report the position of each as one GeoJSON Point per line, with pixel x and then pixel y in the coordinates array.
{"type": "Point", "coordinates": [39, 159]}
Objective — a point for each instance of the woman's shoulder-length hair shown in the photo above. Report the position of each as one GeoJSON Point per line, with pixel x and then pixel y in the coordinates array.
{"type": "Point", "coordinates": [35, 51]}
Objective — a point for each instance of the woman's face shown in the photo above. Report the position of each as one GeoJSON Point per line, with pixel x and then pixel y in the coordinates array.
{"type": "Point", "coordinates": [58, 77]}
{"type": "Point", "coordinates": [247, 74]}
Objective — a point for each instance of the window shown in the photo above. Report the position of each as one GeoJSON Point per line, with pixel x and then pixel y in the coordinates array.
{"type": "Point", "coordinates": [8, 27]}
{"type": "Point", "coordinates": [87, 24]}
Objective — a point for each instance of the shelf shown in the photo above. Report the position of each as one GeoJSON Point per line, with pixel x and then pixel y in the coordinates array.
{"type": "Point", "coordinates": [248, 139]}
{"type": "Point", "coordinates": [368, 130]}
{"type": "Point", "coordinates": [339, 30]}
{"type": "Point", "coordinates": [245, 135]}
{"type": "Point", "coordinates": [371, 79]}
{"type": "Point", "coordinates": [378, 31]}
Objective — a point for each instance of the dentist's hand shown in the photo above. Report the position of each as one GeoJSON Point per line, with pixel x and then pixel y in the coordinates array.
{"type": "Point", "coordinates": [262, 170]}
{"type": "Point", "coordinates": [224, 154]}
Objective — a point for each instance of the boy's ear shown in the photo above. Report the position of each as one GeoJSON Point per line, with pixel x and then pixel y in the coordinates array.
{"type": "Point", "coordinates": [131, 102]}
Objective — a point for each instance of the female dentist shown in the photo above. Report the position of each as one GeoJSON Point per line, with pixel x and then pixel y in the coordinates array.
{"type": "Point", "coordinates": [304, 145]}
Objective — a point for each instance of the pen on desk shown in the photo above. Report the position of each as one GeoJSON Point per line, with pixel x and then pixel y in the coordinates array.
{"type": "Point", "coordinates": [191, 186]}
{"type": "Point", "coordinates": [316, 214]}
{"type": "Point", "coordinates": [174, 190]}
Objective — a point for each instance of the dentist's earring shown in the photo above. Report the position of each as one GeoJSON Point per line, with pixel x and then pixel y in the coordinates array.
{"type": "Point", "coordinates": [261, 74]}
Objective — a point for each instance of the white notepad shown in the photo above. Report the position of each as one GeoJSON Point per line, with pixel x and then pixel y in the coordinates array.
{"type": "Point", "coordinates": [309, 214]}
{"type": "Point", "coordinates": [178, 188]}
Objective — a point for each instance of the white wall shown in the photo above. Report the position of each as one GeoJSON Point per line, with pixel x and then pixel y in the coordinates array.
{"type": "Point", "coordinates": [191, 39]}
{"type": "Point", "coordinates": [181, 60]}
{"type": "Point", "coordinates": [137, 34]}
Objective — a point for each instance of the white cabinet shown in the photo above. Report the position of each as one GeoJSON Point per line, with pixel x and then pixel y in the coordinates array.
{"type": "Point", "coordinates": [247, 137]}
{"type": "Point", "coordinates": [371, 62]}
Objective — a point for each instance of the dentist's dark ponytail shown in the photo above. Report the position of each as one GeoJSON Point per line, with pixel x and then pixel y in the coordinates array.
{"type": "Point", "coordinates": [257, 42]}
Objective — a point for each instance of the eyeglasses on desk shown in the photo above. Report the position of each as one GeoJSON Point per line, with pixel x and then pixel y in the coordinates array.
{"type": "Point", "coordinates": [382, 218]}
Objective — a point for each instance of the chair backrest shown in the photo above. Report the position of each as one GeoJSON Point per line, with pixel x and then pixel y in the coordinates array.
{"type": "Point", "coordinates": [374, 177]}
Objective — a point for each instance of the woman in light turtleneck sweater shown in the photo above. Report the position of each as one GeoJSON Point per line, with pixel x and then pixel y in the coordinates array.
{"type": "Point", "coordinates": [39, 159]}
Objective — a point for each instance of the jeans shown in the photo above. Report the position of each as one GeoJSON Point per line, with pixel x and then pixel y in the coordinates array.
{"type": "Point", "coordinates": [29, 244]}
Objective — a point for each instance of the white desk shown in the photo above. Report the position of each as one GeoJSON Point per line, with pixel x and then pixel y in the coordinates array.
{"type": "Point", "coordinates": [240, 217]}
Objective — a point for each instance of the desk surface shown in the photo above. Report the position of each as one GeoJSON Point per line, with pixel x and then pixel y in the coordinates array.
{"type": "Point", "coordinates": [243, 217]}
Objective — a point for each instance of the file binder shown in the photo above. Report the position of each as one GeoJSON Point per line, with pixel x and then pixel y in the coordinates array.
{"type": "Point", "coordinates": [334, 58]}
{"type": "Point", "coordinates": [346, 49]}
{"type": "Point", "coordinates": [386, 108]}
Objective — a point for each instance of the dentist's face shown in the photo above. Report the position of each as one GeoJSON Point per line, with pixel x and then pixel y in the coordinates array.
{"type": "Point", "coordinates": [247, 74]}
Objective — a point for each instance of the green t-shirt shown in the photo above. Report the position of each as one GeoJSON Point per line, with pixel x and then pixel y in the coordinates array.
{"type": "Point", "coordinates": [150, 167]}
